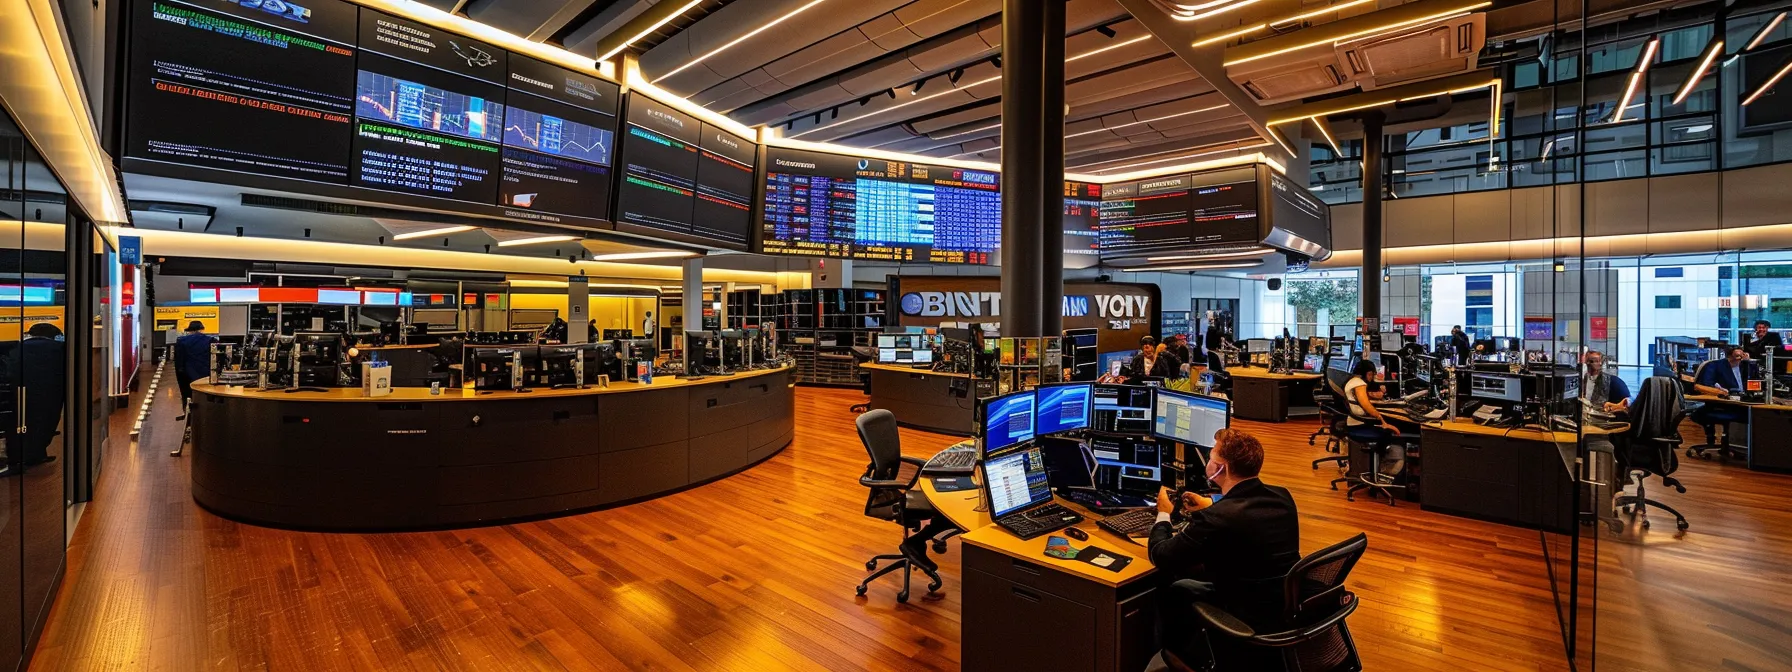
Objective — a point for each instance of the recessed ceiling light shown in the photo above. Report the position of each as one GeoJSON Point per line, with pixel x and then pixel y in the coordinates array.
{"type": "Point", "coordinates": [536, 239]}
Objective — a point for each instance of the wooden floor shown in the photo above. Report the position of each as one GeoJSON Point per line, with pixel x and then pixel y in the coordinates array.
{"type": "Point", "coordinates": [756, 572]}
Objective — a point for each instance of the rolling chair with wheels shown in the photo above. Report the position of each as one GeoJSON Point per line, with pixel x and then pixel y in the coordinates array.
{"type": "Point", "coordinates": [1312, 636]}
{"type": "Point", "coordinates": [1710, 416]}
{"type": "Point", "coordinates": [1649, 447]}
{"type": "Point", "coordinates": [1326, 399]}
{"type": "Point", "coordinates": [893, 497]}
{"type": "Point", "coordinates": [860, 355]}
{"type": "Point", "coordinates": [1335, 412]}
{"type": "Point", "coordinates": [1379, 442]}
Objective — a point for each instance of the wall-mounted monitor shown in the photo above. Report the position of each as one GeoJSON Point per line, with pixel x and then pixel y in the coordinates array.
{"type": "Point", "coordinates": [833, 205]}
{"type": "Point", "coordinates": [684, 179]}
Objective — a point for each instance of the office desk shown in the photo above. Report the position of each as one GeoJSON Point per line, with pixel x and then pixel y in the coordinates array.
{"type": "Point", "coordinates": [1764, 420]}
{"type": "Point", "coordinates": [1258, 394]}
{"type": "Point", "coordinates": [337, 460]}
{"type": "Point", "coordinates": [922, 399]}
{"type": "Point", "coordinates": [1024, 610]}
{"type": "Point", "coordinates": [1523, 477]}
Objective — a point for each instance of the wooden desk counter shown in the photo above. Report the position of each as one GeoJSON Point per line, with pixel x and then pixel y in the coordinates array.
{"type": "Point", "coordinates": [1461, 426]}
{"type": "Point", "coordinates": [1260, 395]}
{"type": "Point", "coordinates": [1259, 372]}
{"type": "Point", "coordinates": [1764, 420]}
{"type": "Point", "coordinates": [921, 398]}
{"type": "Point", "coordinates": [336, 460]}
{"type": "Point", "coordinates": [982, 532]}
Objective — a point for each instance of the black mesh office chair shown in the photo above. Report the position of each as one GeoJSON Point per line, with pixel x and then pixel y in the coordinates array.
{"type": "Point", "coordinates": [1379, 442]}
{"type": "Point", "coordinates": [1335, 413]}
{"type": "Point", "coordinates": [1315, 606]}
{"type": "Point", "coordinates": [860, 355]}
{"type": "Point", "coordinates": [1649, 448]}
{"type": "Point", "coordinates": [892, 496]}
{"type": "Point", "coordinates": [1326, 399]}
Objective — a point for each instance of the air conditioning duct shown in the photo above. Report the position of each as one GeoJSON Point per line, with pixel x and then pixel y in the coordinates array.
{"type": "Point", "coordinates": [1280, 69]}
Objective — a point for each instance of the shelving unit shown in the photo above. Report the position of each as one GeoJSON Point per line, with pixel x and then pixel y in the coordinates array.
{"type": "Point", "coordinates": [819, 328]}
{"type": "Point", "coordinates": [744, 308]}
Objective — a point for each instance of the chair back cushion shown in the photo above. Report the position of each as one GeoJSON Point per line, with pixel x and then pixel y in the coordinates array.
{"type": "Point", "coordinates": [883, 444]}
{"type": "Point", "coordinates": [1315, 586]}
{"type": "Point", "coordinates": [1330, 651]}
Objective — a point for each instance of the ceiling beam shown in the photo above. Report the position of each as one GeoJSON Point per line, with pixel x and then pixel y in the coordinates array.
{"type": "Point", "coordinates": [1180, 38]}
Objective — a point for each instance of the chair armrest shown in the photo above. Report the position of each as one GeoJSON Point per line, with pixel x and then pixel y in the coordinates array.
{"type": "Point", "coordinates": [870, 482]}
{"type": "Point", "coordinates": [1310, 630]}
{"type": "Point", "coordinates": [1223, 621]}
{"type": "Point", "coordinates": [914, 461]}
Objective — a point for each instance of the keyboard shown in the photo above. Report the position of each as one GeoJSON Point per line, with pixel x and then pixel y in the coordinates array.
{"type": "Point", "coordinates": [1104, 503]}
{"type": "Point", "coordinates": [959, 459]}
{"type": "Point", "coordinates": [1134, 523]}
{"type": "Point", "coordinates": [1034, 522]}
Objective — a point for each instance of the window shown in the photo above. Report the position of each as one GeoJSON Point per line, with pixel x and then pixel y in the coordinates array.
{"type": "Point", "coordinates": [1667, 303]}
{"type": "Point", "coordinates": [1673, 272]}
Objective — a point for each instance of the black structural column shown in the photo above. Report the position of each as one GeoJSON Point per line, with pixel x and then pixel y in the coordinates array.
{"type": "Point", "coordinates": [1371, 279]}
{"type": "Point", "coordinates": [1023, 47]}
{"type": "Point", "coordinates": [1051, 107]}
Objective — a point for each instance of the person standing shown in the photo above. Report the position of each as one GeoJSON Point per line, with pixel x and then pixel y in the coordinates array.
{"type": "Point", "coordinates": [1459, 342]}
{"type": "Point", "coordinates": [42, 369]}
{"type": "Point", "coordinates": [192, 361]}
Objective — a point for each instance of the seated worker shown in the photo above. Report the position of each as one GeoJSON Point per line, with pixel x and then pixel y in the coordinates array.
{"type": "Point", "coordinates": [1361, 393]}
{"type": "Point", "coordinates": [1723, 378]}
{"type": "Point", "coordinates": [1176, 345]}
{"type": "Point", "coordinates": [1604, 391]}
{"type": "Point", "coordinates": [1236, 548]}
{"type": "Point", "coordinates": [1762, 340]}
{"type": "Point", "coordinates": [1149, 363]}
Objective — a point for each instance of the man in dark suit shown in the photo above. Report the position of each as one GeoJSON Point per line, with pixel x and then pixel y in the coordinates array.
{"type": "Point", "coordinates": [1763, 340]}
{"type": "Point", "coordinates": [1724, 377]}
{"type": "Point", "coordinates": [192, 361]}
{"type": "Point", "coordinates": [1237, 547]}
{"type": "Point", "coordinates": [1460, 343]}
{"type": "Point", "coordinates": [1150, 362]}
{"type": "Point", "coordinates": [41, 368]}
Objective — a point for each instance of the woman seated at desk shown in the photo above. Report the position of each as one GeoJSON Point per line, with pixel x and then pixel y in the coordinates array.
{"type": "Point", "coordinates": [1361, 393]}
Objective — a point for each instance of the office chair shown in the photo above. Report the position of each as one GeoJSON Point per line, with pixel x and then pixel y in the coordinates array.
{"type": "Point", "coordinates": [1335, 413]}
{"type": "Point", "coordinates": [1315, 605]}
{"type": "Point", "coordinates": [1325, 399]}
{"type": "Point", "coordinates": [1709, 424]}
{"type": "Point", "coordinates": [1650, 446]}
{"type": "Point", "coordinates": [1379, 443]}
{"type": "Point", "coordinates": [892, 496]}
{"type": "Point", "coordinates": [860, 355]}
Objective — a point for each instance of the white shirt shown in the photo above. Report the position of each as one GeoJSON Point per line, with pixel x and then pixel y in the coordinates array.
{"type": "Point", "coordinates": [1350, 388]}
{"type": "Point", "coordinates": [1736, 371]}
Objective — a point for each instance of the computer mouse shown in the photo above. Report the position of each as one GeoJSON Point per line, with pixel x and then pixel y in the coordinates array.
{"type": "Point", "coordinates": [1076, 534]}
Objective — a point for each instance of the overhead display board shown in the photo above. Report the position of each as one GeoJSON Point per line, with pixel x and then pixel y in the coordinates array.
{"type": "Point", "coordinates": [1180, 213]}
{"type": "Point", "coordinates": [390, 110]}
{"type": "Point", "coordinates": [1082, 217]}
{"type": "Point", "coordinates": [832, 205]}
{"type": "Point", "coordinates": [683, 178]}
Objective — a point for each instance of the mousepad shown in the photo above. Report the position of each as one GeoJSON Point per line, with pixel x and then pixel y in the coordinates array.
{"type": "Point", "coordinates": [953, 483]}
{"type": "Point", "coordinates": [1103, 558]}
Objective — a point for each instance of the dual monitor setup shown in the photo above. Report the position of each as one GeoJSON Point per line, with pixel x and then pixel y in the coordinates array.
{"type": "Point", "coordinates": [1104, 446]}
{"type": "Point", "coordinates": [906, 349]}
{"type": "Point", "coordinates": [520, 367]}
{"type": "Point", "coordinates": [729, 350]}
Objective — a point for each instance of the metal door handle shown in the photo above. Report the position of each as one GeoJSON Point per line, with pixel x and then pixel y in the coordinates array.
{"type": "Point", "coordinates": [20, 393]}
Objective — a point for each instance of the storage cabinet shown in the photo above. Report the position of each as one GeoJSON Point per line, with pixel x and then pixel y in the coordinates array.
{"type": "Point", "coordinates": [1022, 615]}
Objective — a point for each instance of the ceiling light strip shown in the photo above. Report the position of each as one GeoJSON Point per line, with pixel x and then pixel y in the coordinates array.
{"type": "Point", "coordinates": [731, 43]}
{"type": "Point", "coordinates": [510, 41]}
{"type": "Point", "coordinates": [535, 239]}
{"type": "Point", "coordinates": [1636, 80]}
{"type": "Point", "coordinates": [1222, 255]}
{"type": "Point", "coordinates": [1768, 86]}
{"type": "Point", "coordinates": [1216, 12]}
{"type": "Point", "coordinates": [1336, 150]}
{"type": "Point", "coordinates": [1222, 37]}
{"type": "Point", "coordinates": [1320, 12]}
{"type": "Point", "coordinates": [1110, 47]}
{"type": "Point", "coordinates": [656, 254]}
{"type": "Point", "coordinates": [1440, 16]}
{"type": "Point", "coordinates": [1192, 267]}
{"type": "Point", "coordinates": [1765, 30]}
{"type": "Point", "coordinates": [1717, 47]}
{"type": "Point", "coordinates": [1147, 121]}
{"type": "Point", "coordinates": [1248, 29]}
{"type": "Point", "coordinates": [443, 231]}
{"type": "Point", "coordinates": [648, 30]}
{"type": "Point", "coordinates": [827, 148]}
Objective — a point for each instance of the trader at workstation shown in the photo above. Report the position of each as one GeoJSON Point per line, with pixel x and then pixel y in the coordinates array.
{"type": "Point", "coordinates": [1150, 362]}
{"type": "Point", "coordinates": [1236, 551]}
{"type": "Point", "coordinates": [192, 361]}
{"type": "Point", "coordinates": [1723, 378]}
{"type": "Point", "coordinates": [1764, 340]}
{"type": "Point", "coordinates": [1460, 344]}
{"type": "Point", "coordinates": [1605, 391]}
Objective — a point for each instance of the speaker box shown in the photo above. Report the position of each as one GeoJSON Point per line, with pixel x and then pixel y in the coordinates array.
{"type": "Point", "coordinates": [1275, 284]}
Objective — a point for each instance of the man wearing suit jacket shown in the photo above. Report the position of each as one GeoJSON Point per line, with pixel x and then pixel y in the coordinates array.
{"type": "Point", "coordinates": [1238, 546]}
{"type": "Point", "coordinates": [1724, 377]}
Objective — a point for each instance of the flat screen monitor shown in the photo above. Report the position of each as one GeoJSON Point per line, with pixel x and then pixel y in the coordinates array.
{"type": "Point", "coordinates": [1062, 408]}
{"type": "Point", "coordinates": [1120, 409]}
{"type": "Point", "coordinates": [1343, 363]}
{"type": "Point", "coordinates": [1127, 465]}
{"type": "Point", "coordinates": [1189, 418]}
{"type": "Point", "coordinates": [239, 294]}
{"type": "Point", "coordinates": [339, 297]}
{"type": "Point", "coordinates": [886, 355]}
{"type": "Point", "coordinates": [1312, 362]}
{"type": "Point", "coordinates": [1496, 387]}
{"type": "Point", "coordinates": [1257, 345]}
{"type": "Point", "coordinates": [886, 340]}
{"type": "Point", "coordinates": [904, 356]}
{"type": "Point", "coordinates": [923, 357]}
{"type": "Point", "coordinates": [1016, 481]}
{"type": "Point", "coordinates": [202, 294]}
{"type": "Point", "coordinates": [1007, 421]}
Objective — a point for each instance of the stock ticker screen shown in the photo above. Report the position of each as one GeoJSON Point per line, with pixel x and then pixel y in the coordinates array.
{"type": "Point", "coordinates": [683, 176]}
{"type": "Point", "coordinates": [333, 93]}
{"type": "Point", "coordinates": [832, 205]}
{"type": "Point", "coordinates": [1082, 219]}
{"type": "Point", "coordinates": [1179, 212]}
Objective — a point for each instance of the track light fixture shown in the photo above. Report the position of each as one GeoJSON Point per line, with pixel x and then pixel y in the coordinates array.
{"type": "Point", "coordinates": [865, 101]}
{"type": "Point", "coordinates": [996, 61]}
{"type": "Point", "coordinates": [790, 125]}
{"type": "Point", "coordinates": [954, 75]}
{"type": "Point", "coordinates": [891, 92]}
{"type": "Point", "coordinates": [817, 117]}
{"type": "Point", "coordinates": [917, 90]}
{"type": "Point", "coordinates": [834, 113]}
{"type": "Point", "coordinates": [1107, 32]}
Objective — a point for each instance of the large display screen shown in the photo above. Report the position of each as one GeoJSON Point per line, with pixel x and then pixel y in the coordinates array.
{"type": "Point", "coordinates": [332, 93]}
{"type": "Point", "coordinates": [724, 207]}
{"type": "Point", "coordinates": [1082, 219]}
{"type": "Point", "coordinates": [840, 206]}
{"type": "Point", "coordinates": [1180, 212]}
{"type": "Point", "coordinates": [684, 177]}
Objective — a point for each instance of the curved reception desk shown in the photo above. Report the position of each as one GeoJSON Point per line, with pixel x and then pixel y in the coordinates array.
{"type": "Point", "coordinates": [336, 460]}
{"type": "Point", "coordinates": [922, 399]}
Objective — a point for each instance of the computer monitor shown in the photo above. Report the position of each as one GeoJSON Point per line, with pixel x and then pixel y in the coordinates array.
{"type": "Point", "coordinates": [923, 356]}
{"type": "Point", "coordinates": [1062, 408]}
{"type": "Point", "coordinates": [1496, 387]}
{"type": "Point", "coordinates": [733, 349]}
{"type": "Point", "coordinates": [1067, 463]}
{"type": "Point", "coordinates": [1120, 409]}
{"type": "Point", "coordinates": [490, 367]}
{"type": "Point", "coordinates": [886, 340]}
{"type": "Point", "coordinates": [1343, 363]}
{"type": "Point", "coordinates": [1190, 418]}
{"type": "Point", "coordinates": [905, 356]}
{"type": "Point", "coordinates": [1127, 465]}
{"type": "Point", "coordinates": [1312, 362]}
{"type": "Point", "coordinates": [558, 364]}
{"type": "Point", "coordinates": [1007, 421]}
{"type": "Point", "coordinates": [1016, 481]}
{"type": "Point", "coordinates": [1257, 345]}
{"type": "Point", "coordinates": [886, 355]}
{"type": "Point", "coordinates": [1506, 343]}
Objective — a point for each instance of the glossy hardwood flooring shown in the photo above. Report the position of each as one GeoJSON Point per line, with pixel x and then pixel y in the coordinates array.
{"type": "Point", "coordinates": [756, 572]}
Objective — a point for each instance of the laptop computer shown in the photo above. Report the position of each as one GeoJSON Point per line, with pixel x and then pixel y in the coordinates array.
{"type": "Point", "coordinates": [1020, 495]}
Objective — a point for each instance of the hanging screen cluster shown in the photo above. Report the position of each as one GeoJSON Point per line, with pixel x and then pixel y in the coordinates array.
{"type": "Point", "coordinates": [831, 205]}
{"type": "Point", "coordinates": [332, 93]}
{"type": "Point", "coordinates": [683, 178]}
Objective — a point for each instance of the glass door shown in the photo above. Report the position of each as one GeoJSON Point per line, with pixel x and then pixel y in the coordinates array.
{"type": "Point", "coordinates": [14, 409]}
{"type": "Point", "coordinates": [40, 464]}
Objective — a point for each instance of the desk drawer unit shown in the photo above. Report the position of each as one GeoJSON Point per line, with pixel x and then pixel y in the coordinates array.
{"type": "Point", "coordinates": [1020, 614]}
